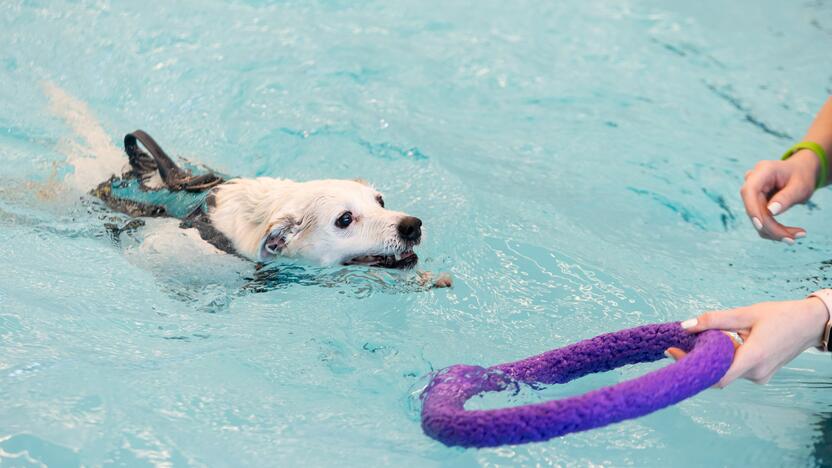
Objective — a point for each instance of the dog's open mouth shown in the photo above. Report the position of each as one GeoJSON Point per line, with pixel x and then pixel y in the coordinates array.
{"type": "Point", "coordinates": [402, 261]}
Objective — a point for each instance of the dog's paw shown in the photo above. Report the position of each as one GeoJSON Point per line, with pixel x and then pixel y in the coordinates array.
{"type": "Point", "coordinates": [443, 281]}
{"type": "Point", "coordinates": [426, 278]}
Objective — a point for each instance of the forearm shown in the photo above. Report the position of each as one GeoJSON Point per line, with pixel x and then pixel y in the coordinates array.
{"type": "Point", "coordinates": [819, 132]}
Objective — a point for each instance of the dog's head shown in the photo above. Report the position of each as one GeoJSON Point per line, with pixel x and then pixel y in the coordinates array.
{"type": "Point", "coordinates": [332, 222]}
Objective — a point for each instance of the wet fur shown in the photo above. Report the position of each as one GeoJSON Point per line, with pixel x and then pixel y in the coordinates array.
{"type": "Point", "coordinates": [249, 211]}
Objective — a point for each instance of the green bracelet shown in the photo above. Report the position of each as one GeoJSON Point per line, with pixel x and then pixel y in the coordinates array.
{"type": "Point", "coordinates": [818, 150]}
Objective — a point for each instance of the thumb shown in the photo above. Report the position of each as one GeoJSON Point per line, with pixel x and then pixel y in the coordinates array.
{"type": "Point", "coordinates": [788, 196]}
{"type": "Point", "coordinates": [745, 358]}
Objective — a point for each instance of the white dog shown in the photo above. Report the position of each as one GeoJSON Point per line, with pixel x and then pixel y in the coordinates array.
{"type": "Point", "coordinates": [327, 222]}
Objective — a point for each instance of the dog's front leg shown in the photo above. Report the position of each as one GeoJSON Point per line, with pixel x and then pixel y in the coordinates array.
{"type": "Point", "coordinates": [443, 280]}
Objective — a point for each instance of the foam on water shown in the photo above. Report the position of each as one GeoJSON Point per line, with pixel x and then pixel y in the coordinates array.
{"type": "Point", "coordinates": [576, 164]}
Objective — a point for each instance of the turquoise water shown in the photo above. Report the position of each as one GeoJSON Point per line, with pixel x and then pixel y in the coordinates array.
{"type": "Point", "coordinates": [577, 166]}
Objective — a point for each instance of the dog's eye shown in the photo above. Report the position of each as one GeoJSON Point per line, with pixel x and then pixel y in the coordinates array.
{"type": "Point", "coordinates": [380, 200]}
{"type": "Point", "coordinates": [344, 220]}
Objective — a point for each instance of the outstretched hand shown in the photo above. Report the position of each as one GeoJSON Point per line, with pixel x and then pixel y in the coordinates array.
{"type": "Point", "coordinates": [773, 187]}
{"type": "Point", "coordinates": [773, 334]}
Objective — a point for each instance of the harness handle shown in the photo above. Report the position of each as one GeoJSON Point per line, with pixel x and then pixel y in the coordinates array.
{"type": "Point", "coordinates": [174, 177]}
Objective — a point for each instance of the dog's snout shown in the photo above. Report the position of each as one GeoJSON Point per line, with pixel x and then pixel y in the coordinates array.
{"type": "Point", "coordinates": [410, 228]}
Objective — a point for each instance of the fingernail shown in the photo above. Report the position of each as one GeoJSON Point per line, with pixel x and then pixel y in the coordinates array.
{"type": "Point", "coordinates": [689, 323]}
{"type": "Point", "coordinates": [775, 208]}
{"type": "Point", "coordinates": [800, 235]}
{"type": "Point", "coordinates": [788, 240]}
{"type": "Point", "coordinates": [668, 355]}
{"type": "Point", "coordinates": [757, 224]}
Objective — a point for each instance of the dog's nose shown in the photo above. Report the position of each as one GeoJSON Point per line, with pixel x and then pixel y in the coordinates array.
{"type": "Point", "coordinates": [410, 228]}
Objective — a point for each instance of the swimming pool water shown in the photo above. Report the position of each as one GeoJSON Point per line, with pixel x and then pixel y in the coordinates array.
{"type": "Point", "coordinates": [577, 166]}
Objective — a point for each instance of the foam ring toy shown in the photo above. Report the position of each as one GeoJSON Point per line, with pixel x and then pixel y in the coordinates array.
{"type": "Point", "coordinates": [445, 418]}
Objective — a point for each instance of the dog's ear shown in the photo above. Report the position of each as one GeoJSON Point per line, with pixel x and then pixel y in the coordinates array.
{"type": "Point", "coordinates": [277, 237]}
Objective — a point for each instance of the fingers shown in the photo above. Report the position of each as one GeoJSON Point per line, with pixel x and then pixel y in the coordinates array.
{"type": "Point", "coordinates": [732, 320]}
{"type": "Point", "coordinates": [771, 228]}
{"type": "Point", "coordinates": [758, 183]}
{"type": "Point", "coordinates": [790, 195]}
{"type": "Point", "coordinates": [787, 197]}
{"type": "Point", "coordinates": [676, 353]}
{"type": "Point", "coordinates": [741, 365]}
{"type": "Point", "coordinates": [775, 231]}
{"type": "Point", "coordinates": [734, 341]}
{"type": "Point", "coordinates": [757, 207]}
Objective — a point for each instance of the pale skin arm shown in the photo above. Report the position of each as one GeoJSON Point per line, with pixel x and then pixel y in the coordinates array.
{"type": "Point", "coordinates": [772, 187]}
{"type": "Point", "coordinates": [773, 334]}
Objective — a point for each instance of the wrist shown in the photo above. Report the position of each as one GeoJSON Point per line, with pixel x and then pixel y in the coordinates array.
{"type": "Point", "coordinates": [807, 162]}
{"type": "Point", "coordinates": [818, 316]}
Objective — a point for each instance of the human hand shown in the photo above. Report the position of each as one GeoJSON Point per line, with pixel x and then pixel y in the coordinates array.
{"type": "Point", "coordinates": [773, 187]}
{"type": "Point", "coordinates": [773, 334]}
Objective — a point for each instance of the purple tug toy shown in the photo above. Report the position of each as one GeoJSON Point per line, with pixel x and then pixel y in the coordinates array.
{"type": "Point", "coordinates": [445, 418]}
